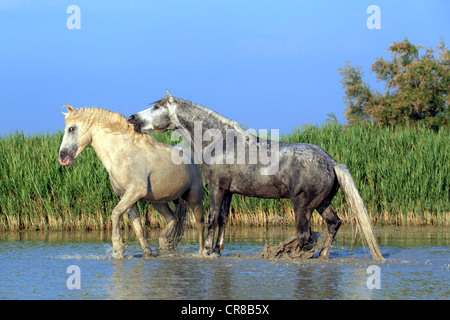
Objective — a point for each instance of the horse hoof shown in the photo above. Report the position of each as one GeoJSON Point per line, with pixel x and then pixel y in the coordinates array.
{"type": "Point", "coordinates": [206, 251]}
{"type": "Point", "coordinates": [147, 254]}
{"type": "Point", "coordinates": [166, 246]}
{"type": "Point", "coordinates": [323, 257]}
{"type": "Point", "coordinates": [324, 254]}
{"type": "Point", "coordinates": [118, 249]}
{"type": "Point", "coordinates": [209, 253]}
{"type": "Point", "coordinates": [118, 254]}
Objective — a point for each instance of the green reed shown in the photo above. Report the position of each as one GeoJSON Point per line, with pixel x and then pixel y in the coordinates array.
{"type": "Point", "coordinates": [402, 174]}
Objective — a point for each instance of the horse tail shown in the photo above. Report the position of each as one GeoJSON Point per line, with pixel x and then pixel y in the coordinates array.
{"type": "Point", "coordinates": [180, 213]}
{"type": "Point", "coordinates": [359, 209]}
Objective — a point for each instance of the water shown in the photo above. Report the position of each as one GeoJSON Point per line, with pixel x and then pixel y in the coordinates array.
{"type": "Point", "coordinates": [34, 265]}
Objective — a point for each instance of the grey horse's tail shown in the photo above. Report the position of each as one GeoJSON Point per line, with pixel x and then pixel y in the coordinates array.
{"type": "Point", "coordinates": [359, 209]}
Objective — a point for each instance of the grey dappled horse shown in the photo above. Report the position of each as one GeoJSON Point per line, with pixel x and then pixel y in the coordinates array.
{"type": "Point", "coordinates": [139, 169]}
{"type": "Point", "coordinates": [305, 173]}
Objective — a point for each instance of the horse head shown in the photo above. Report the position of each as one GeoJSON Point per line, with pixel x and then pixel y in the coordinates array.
{"type": "Point", "coordinates": [159, 118]}
{"type": "Point", "coordinates": [76, 137]}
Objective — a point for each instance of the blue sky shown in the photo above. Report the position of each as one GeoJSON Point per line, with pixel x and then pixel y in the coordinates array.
{"type": "Point", "coordinates": [266, 64]}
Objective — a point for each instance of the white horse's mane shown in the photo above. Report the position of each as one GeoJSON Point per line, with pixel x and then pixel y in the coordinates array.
{"type": "Point", "coordinates": [111, 121]}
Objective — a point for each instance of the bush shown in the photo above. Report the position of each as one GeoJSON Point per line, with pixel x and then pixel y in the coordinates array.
{"type": "Point", "coordinates": [416, 88]}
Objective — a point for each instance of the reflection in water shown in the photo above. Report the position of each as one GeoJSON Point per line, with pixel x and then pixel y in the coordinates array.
{"type": "Point", "coordinates": [34, 266]}
{"type": "Point", "coordinates": [190, 277]}
{"type": "Point", "coordinates": [316, 282]}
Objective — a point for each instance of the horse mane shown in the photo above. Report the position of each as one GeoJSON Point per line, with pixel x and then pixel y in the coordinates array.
{"type": "Point", "coordinates": [109, 121]}
{"type": "Point", "coordinates": [209, 112]}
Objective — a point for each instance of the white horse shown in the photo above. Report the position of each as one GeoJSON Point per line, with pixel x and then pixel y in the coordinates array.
{"type": "Point", "coordinates": [139, 169]}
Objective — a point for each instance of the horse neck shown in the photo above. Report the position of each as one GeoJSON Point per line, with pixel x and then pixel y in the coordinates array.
{"type": "Point", "coordinates": [107, 146]}
{"type": "Point", "coordinates": [199, 120]}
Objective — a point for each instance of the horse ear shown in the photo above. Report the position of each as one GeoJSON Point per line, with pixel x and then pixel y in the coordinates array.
{"type": "Point", "coordinates": [70, 108]}
{"type": "Point", "coordinates": [169, 96]}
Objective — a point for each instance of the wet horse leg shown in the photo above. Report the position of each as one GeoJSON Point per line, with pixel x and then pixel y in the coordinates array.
{"type": "Point", "coordinates": [215, 200]}
{"type": "Point", "coordinates": [136, 218]}
{"type": "Point", "coordinates": [199, 223]}
{"type": "Point", "coordinates": [194, 198]}
{"type": "Point", "coordinates": [130, 198]}
{"type": "Point", "coordinates": [116, 238]}
{"type": "Point", "coordinates": [222, 221]}
{"type": "Point", "coordinates": [333, 224]}
{"type": "Point", "coordinates": [303, 212]}
{"type": "Point", "coordinates": [169, 230]}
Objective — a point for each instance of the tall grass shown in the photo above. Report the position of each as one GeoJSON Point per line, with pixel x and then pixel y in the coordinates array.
{"type": "Point", "coordinates": [401, 173]}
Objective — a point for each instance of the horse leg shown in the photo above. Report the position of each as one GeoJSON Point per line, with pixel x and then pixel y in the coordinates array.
{"type": "Point", "coordinates": [130, 198]}
{"type": "Point", "coordinates": [165, 210]}
{"type": "Point", "coordinates": [215, 201]}
{"type": "Point", "coordinates": [222, 221]}
{"type": "Point", "coordinates": [333, 224]}
{"type": "Point", "coordinates": [165, 238]}
{"type": "Point", "coordinates": [116, 238]}
{"type": "Point", "coordinates": [195, 199]}
{"type": "Point", "coordinates": [199, 223]}
{"type": "Point", "coordinates": [136, 218]}
{"type": "Point", "coordinates": [303, 212]}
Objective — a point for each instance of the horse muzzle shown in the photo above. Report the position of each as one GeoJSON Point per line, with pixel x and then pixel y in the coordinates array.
{"type": "Point", "coordinates": [136, 122]}
{"type": "Point", "coordinates": [66, 157]}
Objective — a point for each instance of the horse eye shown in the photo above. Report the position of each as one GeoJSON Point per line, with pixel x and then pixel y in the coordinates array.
{"type": "Point", "coordinates": [155, 107]}
{"type": "Point", "coordinates": [71, 129]}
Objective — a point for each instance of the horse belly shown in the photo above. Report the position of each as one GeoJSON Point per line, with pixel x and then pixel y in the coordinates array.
{"type": "Point", "coordinates": [167, 188]}
{"type": "Point", "coordinates": [269, 187]}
